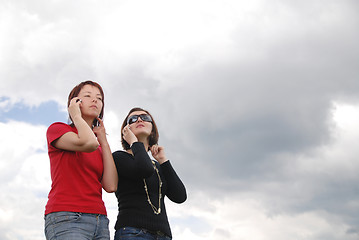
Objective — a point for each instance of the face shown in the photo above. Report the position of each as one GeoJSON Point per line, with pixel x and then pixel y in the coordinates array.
{"type": "Point", "coordinates": [140, 126]}
{"type": "Point", "coordinates": [91, 101]}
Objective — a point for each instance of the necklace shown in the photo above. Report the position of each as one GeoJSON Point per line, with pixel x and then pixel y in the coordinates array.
{"type": "Point", "coordinates": [155, 210]}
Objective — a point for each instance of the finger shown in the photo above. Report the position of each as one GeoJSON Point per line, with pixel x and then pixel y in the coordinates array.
{"type": "Point", "coordinates": [153, 153]}
{"type": "Point", "coordinates": [76, 99]}
{"type": "Point", "coordinates": [100, 121]}
{"type": "Point", "coordinates": [154, 149]}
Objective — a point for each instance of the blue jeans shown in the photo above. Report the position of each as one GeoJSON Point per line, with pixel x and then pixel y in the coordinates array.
{"type": "Point", "coordinates": [76, 226]}
{"type": "Point", "coordinates": [131, 233]}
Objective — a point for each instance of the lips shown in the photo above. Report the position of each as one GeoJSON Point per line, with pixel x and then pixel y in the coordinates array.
{"type": "Point", "coordinates": [93, 106]}
{"type": "Point", "coordinates": [140, 125]}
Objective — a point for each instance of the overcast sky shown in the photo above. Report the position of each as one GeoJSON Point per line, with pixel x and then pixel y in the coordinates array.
{"type": "Point", "coordinates": [256, 102]}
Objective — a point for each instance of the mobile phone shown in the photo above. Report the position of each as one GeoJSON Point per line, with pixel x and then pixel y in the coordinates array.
{"type": "Point", "coordinates": [96, 123]}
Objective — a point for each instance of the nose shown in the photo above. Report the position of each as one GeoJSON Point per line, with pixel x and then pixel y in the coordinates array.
{"type": "Point", "coordinates": [94, 99]}
{"type": "Point", "coordinates": [139, 119]}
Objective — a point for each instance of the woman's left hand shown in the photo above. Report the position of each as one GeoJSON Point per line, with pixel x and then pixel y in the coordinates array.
{"type": "Point", "coordinates": [100, 131]}
{"type": "Point", "coordinates": [158, 152]}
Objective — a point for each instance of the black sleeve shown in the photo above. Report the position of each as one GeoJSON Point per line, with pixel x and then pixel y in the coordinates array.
{"type": "Point", "coordinates": [137, 166]}
{"type": "Point", "coordinates": [176, 190]}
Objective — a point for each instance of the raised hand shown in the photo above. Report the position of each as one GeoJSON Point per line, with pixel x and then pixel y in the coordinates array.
{"type": "Point", "coordinates": [74, 108]}
{"type": "Point", "coordinates": [100, 131]}
{"type": "Point", "coordinates": [158, 152]}
{"type": "Point", "coordinates": [128, 135]}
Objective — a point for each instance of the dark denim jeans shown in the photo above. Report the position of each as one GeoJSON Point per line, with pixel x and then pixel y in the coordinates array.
{"type": "Point", "coordinates": [76, 226]}
{"type": "Point", "coordinates": [131, 233]}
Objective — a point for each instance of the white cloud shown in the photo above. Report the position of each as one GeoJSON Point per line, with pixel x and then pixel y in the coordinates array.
{"type": "Point", "coordinates": [25, 180]}
{"type": "Point", "coordinates": [243, 216]}
{"type": "Point", "coordinates": [337, 160]}
{"type": "Point", "coordinates": [242, 93]}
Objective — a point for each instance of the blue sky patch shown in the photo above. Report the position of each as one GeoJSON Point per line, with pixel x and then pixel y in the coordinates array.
{"type": "Point", "coordinates": [45, 114]}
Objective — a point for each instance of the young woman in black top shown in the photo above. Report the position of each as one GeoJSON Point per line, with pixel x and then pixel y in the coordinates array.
{"type": "Point", "coordinates": [143, 183]}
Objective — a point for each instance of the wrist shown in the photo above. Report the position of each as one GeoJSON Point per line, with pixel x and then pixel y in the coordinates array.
{"type": "Point", "coordinates": [162, 160]}
{"type": "Point", "coordinates": [103, 142]}
{"type": "Point", "coordinates": [76, 118]}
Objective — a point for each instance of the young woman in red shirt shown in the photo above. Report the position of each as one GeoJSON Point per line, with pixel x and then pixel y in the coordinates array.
{"type": "Point", "coordinates": [81, 165]}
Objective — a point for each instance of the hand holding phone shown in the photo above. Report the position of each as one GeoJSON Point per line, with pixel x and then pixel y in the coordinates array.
{"type": "Point", "coordinates": [100, 131]}
{"type": "Point", "coordinates": [74, 107]}
{"type": "Point", "coordinates": [128, 135]}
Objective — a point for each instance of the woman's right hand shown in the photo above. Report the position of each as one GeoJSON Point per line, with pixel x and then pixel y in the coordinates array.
{"type": "Point", "coordinates": [74, 108]}
{"type": "Point", "coordinates": [128, 135]}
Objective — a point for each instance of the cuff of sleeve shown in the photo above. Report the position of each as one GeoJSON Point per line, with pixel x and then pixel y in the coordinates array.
{"type": "Point", "coordinates": [166, 164]}
{"type": "Point", "coordinates": [137, 146]}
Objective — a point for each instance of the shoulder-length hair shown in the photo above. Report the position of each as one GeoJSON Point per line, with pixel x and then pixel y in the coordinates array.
{"type": "Point", "coordinates": [152, 139]}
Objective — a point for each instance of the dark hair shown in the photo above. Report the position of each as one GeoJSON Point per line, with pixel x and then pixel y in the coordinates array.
{"type": "Point", "coordinates": [153, 138]}
{"type": "Point", "coordinates": [76, 90]}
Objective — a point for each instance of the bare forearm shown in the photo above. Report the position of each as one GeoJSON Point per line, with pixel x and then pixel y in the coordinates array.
{"type": "Point", "coordinates": [110, 177]}
{"type": "Point", "coordinates": [86, 137]}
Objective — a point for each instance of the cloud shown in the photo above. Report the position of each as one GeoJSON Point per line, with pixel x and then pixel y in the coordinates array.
{"type": "Point", "coordinates": [244, 216]}
{"type": "Point", "coordinates": [256, 103]}
{"type": "Point", "coordinates": [25, 178]}
{"type": "Point", "coordinates": [309, 194]}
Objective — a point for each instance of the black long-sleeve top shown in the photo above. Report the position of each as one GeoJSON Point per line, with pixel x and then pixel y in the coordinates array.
{"type": "Point", "coordinates": [134, 209]}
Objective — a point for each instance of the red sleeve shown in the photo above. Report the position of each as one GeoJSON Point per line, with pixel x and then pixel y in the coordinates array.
{"type": "Point", "coordinates": [56, 130]}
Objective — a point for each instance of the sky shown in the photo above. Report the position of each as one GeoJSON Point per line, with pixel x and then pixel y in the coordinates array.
{"type": "Point", "coordinates": [256, 103]}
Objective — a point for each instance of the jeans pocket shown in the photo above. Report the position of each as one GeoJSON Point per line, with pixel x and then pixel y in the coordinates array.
{"type": "Point", "coordinates": [60, 223]}
{"type": "Point", "coordinates": [66, 217]}
{"type": "Point", "coordinates": [130, 232]}
{"type": "Point", "coordinates": [59, 218]}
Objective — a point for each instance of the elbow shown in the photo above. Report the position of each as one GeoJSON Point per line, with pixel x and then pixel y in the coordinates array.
{"type": "Point", "coordinates": [178, 198]}
{"type": "Point", "coordinates": [110, 185]}
{"type": "Point", "coordinates": [110, 188]}
{"type": "Point", "coordinates": [183, 196]}
{"type": "Point", "coordinates": [183, 199]}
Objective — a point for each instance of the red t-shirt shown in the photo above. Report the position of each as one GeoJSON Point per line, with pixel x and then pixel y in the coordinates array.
{"type": "Point", "coordinates": [76, 176]}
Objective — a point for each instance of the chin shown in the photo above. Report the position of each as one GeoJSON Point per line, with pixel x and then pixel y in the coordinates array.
{"type": "Point", "coordinates": [146, 133]}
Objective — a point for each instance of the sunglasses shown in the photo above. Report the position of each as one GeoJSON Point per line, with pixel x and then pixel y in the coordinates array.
{"type": "Point", "coordinates": [134, 118]}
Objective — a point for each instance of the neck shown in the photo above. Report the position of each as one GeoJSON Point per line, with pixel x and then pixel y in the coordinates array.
{"type": "Point", "coordinates": [144, 140]}
{"type": "Point", "coordinates": [89, 121]}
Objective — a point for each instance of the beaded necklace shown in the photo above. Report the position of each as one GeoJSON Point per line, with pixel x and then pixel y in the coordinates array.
{"type": "Point", "coordinates": [155, 210]}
